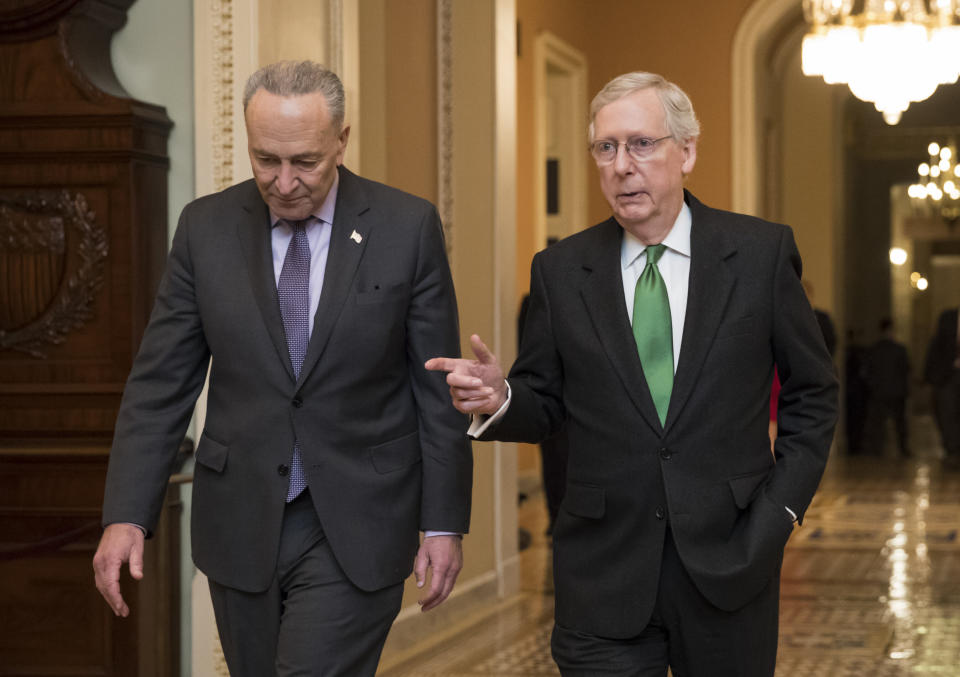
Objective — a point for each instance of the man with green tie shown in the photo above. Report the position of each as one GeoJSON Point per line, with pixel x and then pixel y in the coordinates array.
{"type": "Point", "coordinates": [653, 336]}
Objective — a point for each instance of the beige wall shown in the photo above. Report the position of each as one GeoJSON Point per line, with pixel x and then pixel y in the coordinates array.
{"type": "Point", "coordinates": [810, 179]}
{"type": "Point", "coordinates": [398, 88]}
{"type": "Point", "coordinates": [398, 66]}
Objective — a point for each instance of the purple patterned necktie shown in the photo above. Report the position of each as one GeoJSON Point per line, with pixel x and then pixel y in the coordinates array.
{"type": "Point", "coordinates": [293, 289]}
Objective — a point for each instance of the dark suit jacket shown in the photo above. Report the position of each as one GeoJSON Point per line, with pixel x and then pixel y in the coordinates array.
{"type": "Point", "coordinates": [942, 351]}
{"type": "Point", "coordinates": [709, 472]}
{"type": "Point", "coordinates": [383, 448]}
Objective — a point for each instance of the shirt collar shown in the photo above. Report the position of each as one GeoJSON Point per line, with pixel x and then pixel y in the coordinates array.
{"type": "Point", "coordinates": [325, 213]}
{"type": "Point", "coordinates": [677, 239]}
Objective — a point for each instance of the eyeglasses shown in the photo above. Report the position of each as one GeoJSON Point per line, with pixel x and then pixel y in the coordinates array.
{"type": "Point", "coordinates": [639, 147]}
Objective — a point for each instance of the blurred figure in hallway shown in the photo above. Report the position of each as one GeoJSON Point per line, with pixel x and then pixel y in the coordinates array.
{"type": "Point", "coordinates": [942, 371]}
{"type": "Point", "coordinates": [823, 319]}
{"type": "Point", "coordinates": [553, 450]}
{"type": "Point", "coordinates": [855, 394]}
{"type": "Point", "coordinates": [887, 377]}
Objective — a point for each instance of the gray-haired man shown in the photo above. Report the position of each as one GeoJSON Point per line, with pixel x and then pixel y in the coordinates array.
{"type": "Point", "coordinates": [326, 447]}
{"type": "Point", "coordinates": [652, 338]}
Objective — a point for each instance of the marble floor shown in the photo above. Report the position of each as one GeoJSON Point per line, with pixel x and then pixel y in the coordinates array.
{"type": "Point", "coordinates": [870, 585]}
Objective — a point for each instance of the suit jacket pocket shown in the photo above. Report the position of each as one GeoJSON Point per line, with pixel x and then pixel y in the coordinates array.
{"type": "Point", "coordinates": [584, 500]}
{"type": "Point", "coordinates": [383, 294]}
{"type": "Point", "coordinates": [745, 487]}
{"type": "Point", "coordinates": [396, 454]}
{"type": "Point", "coordinates": [211, 453]}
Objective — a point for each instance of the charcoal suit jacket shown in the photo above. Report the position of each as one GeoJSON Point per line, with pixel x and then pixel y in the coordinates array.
{"type": "Point", "coordinates": [708, 472]}
{"type": "Point", "coordinates": [384, 450]}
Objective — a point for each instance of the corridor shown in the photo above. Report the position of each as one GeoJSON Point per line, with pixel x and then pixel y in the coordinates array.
{"type": "Point", "coordinates": [870, 585]}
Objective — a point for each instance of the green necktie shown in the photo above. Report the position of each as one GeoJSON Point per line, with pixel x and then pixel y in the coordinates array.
{"type": "Point", "coordinates": [653, 331]}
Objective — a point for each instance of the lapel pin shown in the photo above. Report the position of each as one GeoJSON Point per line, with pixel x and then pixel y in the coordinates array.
{"type": "Point", "coordinates": [356, 237]}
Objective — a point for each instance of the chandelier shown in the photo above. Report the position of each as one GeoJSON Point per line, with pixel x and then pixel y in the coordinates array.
{"type": "Point", "coordinates": [890, 53]}
{"type": "Point", "coordinates": [938, 188]}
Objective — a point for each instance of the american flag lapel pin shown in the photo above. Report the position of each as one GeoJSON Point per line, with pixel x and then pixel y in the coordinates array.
{"type": "Point", "coordinates": [356, 237]}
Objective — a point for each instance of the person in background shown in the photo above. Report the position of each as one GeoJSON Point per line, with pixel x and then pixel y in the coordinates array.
{"type": "Point", "coordinates": [887, 374]}
{"type": "Point", "coordinates": [942, 371]}
{"type": "Point", "coordinates": [855, 393]}
{"type": "Point", "coordinates": [553, 450]}
{"type": "Point", "coordinates": [823, 320]}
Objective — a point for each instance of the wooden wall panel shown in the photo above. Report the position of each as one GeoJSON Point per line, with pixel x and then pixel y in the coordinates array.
{"type": "Point", "coordinates": [83, 221]}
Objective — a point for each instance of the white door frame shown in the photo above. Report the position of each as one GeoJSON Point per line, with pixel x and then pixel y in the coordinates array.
{"type": "Point", "coordinates": [550, 52]}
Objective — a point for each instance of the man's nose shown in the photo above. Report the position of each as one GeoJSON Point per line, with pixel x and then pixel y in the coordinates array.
{"type": "Point", "coordinates": [622, 161]}
{"type": "Point", "coordinates": [286, 178]}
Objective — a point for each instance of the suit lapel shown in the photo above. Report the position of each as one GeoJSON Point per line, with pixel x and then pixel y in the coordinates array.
{"type": "Point", "coordinates": [710, 285]}
{"type": "Point", "coordinates": [602, 294]}
{"type": "Point", "coordinates": [342, 261]}
{"type": "Point", "coordinates": [253, 229]}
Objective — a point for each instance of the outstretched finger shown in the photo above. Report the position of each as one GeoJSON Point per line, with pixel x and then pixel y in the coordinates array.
{"type": "Point", "coordinates": [449, 364]}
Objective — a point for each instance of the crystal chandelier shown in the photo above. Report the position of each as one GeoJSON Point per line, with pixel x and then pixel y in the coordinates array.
{"type": "Point", "coordinates": [890, 52]}
{"type": "Point", "coordinates": [938, 188]}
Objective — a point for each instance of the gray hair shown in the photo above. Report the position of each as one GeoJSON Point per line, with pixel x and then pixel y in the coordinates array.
{"type": "Point", "coordinates": [681, 121]}
{"type": "Point", "coordinates": [294, 78]}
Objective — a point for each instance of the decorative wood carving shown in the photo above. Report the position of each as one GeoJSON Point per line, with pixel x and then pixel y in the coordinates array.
{"type": "Point", "coordinates": [32, 243]}
{"type": "Point", "coordinates": [82, 162]}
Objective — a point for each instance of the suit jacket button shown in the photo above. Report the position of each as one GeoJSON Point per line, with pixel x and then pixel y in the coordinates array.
{"type": "Point", "coordinates": [297, 403]}
{"type": "Point", "coordinates": [660, 513]}
{"type": "Point", "coordinates": [665, 453]}
{"type": "Point", "coordinates": [282, 470]}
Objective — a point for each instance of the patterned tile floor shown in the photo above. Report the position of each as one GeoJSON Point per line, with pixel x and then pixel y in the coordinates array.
{"type": "Point", "coordinates": [870, 585]}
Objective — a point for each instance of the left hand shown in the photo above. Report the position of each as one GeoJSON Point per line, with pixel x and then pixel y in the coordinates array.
{"type": "Point", "coordinates": [443, 555]}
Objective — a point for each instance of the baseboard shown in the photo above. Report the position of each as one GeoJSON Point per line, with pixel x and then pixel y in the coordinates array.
{"type": "Point", "coordinates": [414, 632]}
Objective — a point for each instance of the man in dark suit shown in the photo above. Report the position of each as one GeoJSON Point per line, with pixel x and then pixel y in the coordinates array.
{"type": "Point", "coordinates": [888, 382]}
{"type": "Point", "coordinates": [326, 446]}
{"type": "Point", "coordinates": [942, 371]}
{"type": "Point", "coordinates": [653, 336]}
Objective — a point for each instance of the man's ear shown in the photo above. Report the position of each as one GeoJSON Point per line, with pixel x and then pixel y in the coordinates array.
{"type": "Point", "coordinates": [689, 150]}
{"type": "Point", "coordinates": [342, 142]}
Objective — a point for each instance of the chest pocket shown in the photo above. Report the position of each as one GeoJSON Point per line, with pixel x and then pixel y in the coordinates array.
{"type": "Point", "coordinates": [378, 294]}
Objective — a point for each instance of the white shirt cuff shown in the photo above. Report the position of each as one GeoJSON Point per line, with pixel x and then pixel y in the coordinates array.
{"type": "Point", "coordinates": [480, 422]}
{"type": "Point", "coordinates": [429, 534]}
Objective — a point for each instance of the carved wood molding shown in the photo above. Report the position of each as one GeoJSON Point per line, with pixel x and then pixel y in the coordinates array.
{"type": "Point", "coordinates": [445, 118]}
{"type": "Point", "coordinates": [33, 240]}
{"type": "Point", "coordinates": [222, 85]}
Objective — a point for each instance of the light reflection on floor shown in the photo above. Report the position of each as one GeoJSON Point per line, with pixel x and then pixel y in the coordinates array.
{"type": "Point", "coordinates": [870, 584]}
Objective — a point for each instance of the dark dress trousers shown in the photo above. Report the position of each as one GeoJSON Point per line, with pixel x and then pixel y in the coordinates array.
{"type": "Point", "coordinates": [708, 473]}
{"type": "Point", "coordinates": [888, 381]}
{"type": "Point", "coordinates": [383, 449]}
